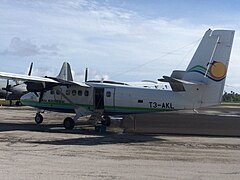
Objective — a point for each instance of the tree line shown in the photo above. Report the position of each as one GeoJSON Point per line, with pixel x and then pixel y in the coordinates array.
{"type": "Point", "coordinates": [231, 97]}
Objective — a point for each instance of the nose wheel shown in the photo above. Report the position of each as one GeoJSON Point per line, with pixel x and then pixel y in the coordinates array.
{"type": "Point", "coordinates": [38, 118]}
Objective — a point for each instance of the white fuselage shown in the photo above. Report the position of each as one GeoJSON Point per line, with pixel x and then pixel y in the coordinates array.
{"type": "Point", "coordinates": [112, 98]}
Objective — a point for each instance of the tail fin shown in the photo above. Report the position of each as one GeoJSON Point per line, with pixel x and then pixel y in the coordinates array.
{"type": "Point", "coordinates": [204, 79]}
{"type": "Point", "coordinates": [65, 73]}
{"type": "Point", "coordinates": [209, 65]}
{"type": "Point", "coordinates": [214, 49]}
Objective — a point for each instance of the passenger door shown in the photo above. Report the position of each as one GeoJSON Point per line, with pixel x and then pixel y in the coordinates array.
{"type": "Point", "coordinates": [99, 98]}
{"type": "Point", "coordinates": [109, 98]}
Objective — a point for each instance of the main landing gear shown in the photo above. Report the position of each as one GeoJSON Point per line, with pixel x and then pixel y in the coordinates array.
{"type": "Point", "coordinates": [106, 121]}
{"type": "Point", "coordinates": [100, 126]}
{"type": "Point", "coordinates": [68, 123]}
{"type": "Point", "coordinates": [100, 122]}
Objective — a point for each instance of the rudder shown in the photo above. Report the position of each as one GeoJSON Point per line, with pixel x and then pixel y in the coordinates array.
{"type": "Point", "coordinates": [209, 65]}
{"type": "Point", "coordinates": [65, 73]}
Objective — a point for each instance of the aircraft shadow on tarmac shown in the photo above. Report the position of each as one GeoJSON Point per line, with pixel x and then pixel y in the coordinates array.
{"type": "Point", "coordinates": [102, 139]}
{"type": "Point", "coordinates": [94, 139]}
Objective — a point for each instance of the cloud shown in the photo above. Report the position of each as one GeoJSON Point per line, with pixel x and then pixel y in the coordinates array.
{"type": "Point", "coordinates": [19, 47]}
{"type": "Point", "coordinates": [92, 75]}
{"type": "Point", "coordinates": [25, 48]}
{"type": "Point", "coordinates": [45, 71]}
{"type": "Point", "coordinates": [114, 39]}
{"type": "Point", "coordinates": [77, 76]}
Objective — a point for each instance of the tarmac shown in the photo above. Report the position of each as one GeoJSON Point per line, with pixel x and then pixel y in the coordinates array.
{"type": "Point", "coordinates": [48, 151]}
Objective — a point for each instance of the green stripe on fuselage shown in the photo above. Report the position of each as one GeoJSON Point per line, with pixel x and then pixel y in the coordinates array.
{"type": "Point", "coordinates": [118, 109]}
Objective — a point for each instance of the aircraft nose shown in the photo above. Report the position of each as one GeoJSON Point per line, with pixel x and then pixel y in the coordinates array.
{"type": "Point", "coordinates": [28, 98]}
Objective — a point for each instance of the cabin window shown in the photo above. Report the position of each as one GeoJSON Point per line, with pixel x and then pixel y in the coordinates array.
{"type": "Point", "coordinates": [108, 94]}
{"type": "Point", "coordinates": [67, 92]}
{"type": "Point", "coordinates": [74, 92]}
{"type": "Point", "coordinates": [140, 101]}
{"type": "Point", "coordinates": [52, 92]}
{"type": "Point", "coordinates": [80, 92]}
{"type": "Point", "coordinates": [86, 93]}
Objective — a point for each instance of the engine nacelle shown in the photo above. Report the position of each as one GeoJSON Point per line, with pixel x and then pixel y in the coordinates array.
{"type": "Point", "coordinates": [35, 87]}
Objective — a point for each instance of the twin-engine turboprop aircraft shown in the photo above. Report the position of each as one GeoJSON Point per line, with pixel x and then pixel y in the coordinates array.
{"type": "Point", "coordinates": [13, 90]}
{"type": "Point", "coordinates": [200, 85]}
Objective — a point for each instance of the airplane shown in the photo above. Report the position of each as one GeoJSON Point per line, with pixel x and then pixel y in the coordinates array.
{"type": "Point", "coordinates": [13, 90]}
{"type": "Point", "coordinates": [200, 85]}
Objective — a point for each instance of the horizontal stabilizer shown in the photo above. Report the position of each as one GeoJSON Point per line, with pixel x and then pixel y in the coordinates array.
{"type": "Point", "coordinates": [174, 80]}
{"type": "Point", "coordinates": [177, 84]}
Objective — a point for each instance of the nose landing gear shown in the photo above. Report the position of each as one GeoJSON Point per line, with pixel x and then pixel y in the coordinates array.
{"type": "Point", "coordinates": [38, 118]}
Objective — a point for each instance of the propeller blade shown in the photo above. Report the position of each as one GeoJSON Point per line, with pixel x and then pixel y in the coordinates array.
{"type": "Point", "coordinates": [86, 74]}
{"type": "Point", "coordinates": [8, 87]}
{"type": "Point", "coordinates": [30, 69]}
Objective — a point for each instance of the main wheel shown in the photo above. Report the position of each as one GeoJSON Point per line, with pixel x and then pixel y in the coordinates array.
{"type": "Point", "coordinates": [38, 118]}
{"type": "Point", "coordinates": [106, 121]}
{"type": "Point", "coordinates": [68, 123]}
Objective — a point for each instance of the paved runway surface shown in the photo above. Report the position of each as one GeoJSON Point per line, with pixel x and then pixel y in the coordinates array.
{"type": "Point", "coordinates": [48, 151]}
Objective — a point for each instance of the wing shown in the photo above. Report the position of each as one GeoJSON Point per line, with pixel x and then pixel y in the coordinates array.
{"type": "Point", "coordinates": [22, 77]}
{"type": "Point", "coordinates": [37, 79]}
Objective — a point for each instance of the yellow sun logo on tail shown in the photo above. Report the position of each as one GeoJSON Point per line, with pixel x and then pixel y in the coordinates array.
{"type": "Point", "coordinates": [217, 70]}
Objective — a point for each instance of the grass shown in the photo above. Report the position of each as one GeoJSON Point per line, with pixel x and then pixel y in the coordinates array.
{"type": "Point", "coordinates": [4, 102]}
{"type": "Point", "coordinates": [230, 104]}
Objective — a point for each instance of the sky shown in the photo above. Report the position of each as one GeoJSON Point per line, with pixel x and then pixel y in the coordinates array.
{"type": "Point", "coordinates": [122, 40]}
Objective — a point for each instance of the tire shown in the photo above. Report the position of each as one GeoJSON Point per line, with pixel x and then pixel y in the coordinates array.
{"type": "Point", "coordinates": [68, 123]}
{"type": "Point", "coordinates": [106, 121]}
{"type": "Point", "coordinates": [38, 118]}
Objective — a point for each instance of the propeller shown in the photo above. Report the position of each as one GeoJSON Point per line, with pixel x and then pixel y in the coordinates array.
{"type": "Point", "coordinates": [29, 74]}
{"type": "Point", "coordinates": [86, 74]}
{"type": "Point", "coordinates": [7, 88]}
{"type": "Point", "coordinates": [30, 69]}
